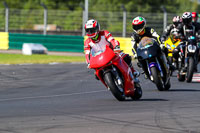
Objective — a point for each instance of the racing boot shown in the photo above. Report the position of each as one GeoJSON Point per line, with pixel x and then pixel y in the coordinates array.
{"type": "Point", "coordinates": [172, 68]}
{"type": "Point", "coordinates": [136, 73]}
{"type": "Point", "coordinates": [140, 66]}
{"type": "Point", "coordinates": [96, 77]}
{"type": "Point", "coordinates": [183, 70]}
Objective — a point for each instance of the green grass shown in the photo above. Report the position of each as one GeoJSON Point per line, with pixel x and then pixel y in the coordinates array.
{"type": "Point", "coordinates": [38, 59]}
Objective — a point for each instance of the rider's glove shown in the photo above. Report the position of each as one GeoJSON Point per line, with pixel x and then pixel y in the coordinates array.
{"type": "Point", "coordinates": [162, 39]}
{"type": "Point", "coordinates": [162, 46]}
{"type": "Point", "coordinates": [135, 56]}
{"type": "Point", "coordinates": [117, 49]}
{"type": "Point", "coordinates": [134, 53]}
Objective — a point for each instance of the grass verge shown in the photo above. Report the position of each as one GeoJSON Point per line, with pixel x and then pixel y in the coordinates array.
{"type": "Point", "coordinates": [38, 59]}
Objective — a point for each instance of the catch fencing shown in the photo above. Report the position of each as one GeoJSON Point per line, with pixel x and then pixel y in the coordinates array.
{"type": "Point", "coordinates": [71, 22]}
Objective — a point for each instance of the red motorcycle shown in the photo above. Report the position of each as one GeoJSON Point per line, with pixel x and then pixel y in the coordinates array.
{"type": "Point", "coordinates": [114, 73]}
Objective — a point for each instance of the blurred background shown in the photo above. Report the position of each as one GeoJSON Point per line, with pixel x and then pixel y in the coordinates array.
{"type": "Point", "coordinates": [59, 24]}
{"type": "Point", "coordinates": [67, 17]}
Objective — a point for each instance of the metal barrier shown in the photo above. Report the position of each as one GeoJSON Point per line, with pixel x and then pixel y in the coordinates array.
{"type": "Point", "coordinates": [71, 22]}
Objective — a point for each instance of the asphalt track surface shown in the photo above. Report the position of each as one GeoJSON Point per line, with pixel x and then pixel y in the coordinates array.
{"type": "Point", "coordinates": [66, 98]}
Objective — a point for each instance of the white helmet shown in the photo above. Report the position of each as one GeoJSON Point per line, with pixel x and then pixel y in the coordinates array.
{"type": "Point", "coordinates": [92, 28]}
{"type": "Point", "coordinates": [177, 20]}
{"type": "Point", "coordinates": [187, 18]}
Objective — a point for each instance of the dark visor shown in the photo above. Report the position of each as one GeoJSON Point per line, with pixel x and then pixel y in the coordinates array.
{"type": "Point", "coordinates": [138, 27]}
{"type": "Point", "coordinates": [91, 30]}
{"type": "Point", "coordinates": [187, 21]}
{"type": "Point", "coordinates": [176, 23]}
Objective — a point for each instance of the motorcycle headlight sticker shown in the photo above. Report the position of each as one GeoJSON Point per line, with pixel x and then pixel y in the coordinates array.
{"type": "Point", "coordinates": [191, 48]}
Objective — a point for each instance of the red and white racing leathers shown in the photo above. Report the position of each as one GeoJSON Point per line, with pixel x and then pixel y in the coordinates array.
{"type": "Point", "coordinates": [105, 37]}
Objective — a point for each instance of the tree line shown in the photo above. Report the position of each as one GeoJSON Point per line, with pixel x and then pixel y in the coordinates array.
{"type": "Point", "coordinates": [172, 6]}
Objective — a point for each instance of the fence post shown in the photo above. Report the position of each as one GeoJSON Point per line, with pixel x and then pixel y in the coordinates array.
{"type": "Point", "coordinates": [124, 21]}
{"type": "Point", "coordinates": [164, 17]}
{"type": "Point", "coordinates": [85, 16]}
{"type": "Point", "coordinates": [6, 16]}
{"type": "Point", "coordinates": [45, 18]}
{"type": "Point", "coordinates": [83, 24]}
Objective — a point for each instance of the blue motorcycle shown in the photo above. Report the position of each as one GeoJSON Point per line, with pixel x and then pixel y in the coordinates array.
{"type": "Point", "coordinates": [154, 63]}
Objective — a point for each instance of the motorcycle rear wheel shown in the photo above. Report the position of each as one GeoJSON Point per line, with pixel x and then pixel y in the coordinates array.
{"type": "Point", "coordinates": [168, 85]}
{"type": "Point", "coordinates": [157, 79]}
{"type": "Point", "coordinates": [180, 76]}
{"type": "Point", "coordinates": [110, 81]}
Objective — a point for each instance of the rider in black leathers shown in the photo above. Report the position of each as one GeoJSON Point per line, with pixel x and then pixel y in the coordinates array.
{"type": "Point", "coordinates": [187, 28]}
{"type": "Point", "coordinates": [140, 31]}
{"type": "Point", "coordinates": [177, 20]}
{"type": "Point", "coordinates": [195, 18]}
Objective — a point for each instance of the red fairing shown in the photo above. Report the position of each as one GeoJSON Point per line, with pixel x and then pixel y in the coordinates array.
{"type": "Point", "coordinates": [102, 59]}
{"type": "Point", "coordinates": [125, 70]}
{"type": "Point", "coordinates": [105, 60]}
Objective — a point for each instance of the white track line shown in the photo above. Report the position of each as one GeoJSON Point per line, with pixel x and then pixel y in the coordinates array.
{"type": "Point", "coordinates": [51, 96]}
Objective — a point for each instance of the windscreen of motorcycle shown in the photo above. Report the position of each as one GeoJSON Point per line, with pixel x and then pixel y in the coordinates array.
{"type": "Point", "coordinates": [98, 49]}
{"type": "Point", "coordinates": [146, 42]}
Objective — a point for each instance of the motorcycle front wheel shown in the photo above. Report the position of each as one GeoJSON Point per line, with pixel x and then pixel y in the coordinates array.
{"type": "Point", "coordinates": [157, 79]}
{"type": "Point", "coordinates": [138, 92]}
{"type": "Point", "coordinates": [190, 69]}
{"type": "Point", "coordinates": [117, 92]}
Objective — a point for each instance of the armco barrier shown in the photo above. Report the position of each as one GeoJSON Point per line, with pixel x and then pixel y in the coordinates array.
{"type": "Point", "coordinates": [51, 42]}
{"type": "Point", "coordinates": [4, 40]}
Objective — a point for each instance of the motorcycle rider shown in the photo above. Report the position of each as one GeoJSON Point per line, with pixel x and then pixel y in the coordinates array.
{"type": "Point", "coordinates": [187, 28]}
{"type": "Point", "coordinates": [196, 23]}
{"type": "Point", "coordinates": [140, 31]}
{"type": "Point", "coordinates": [177, 20]}
{"type": "Point", "coordinates": [170, 29]}
{"type": "Point", "coordinates": [97, 36]}
{"type": "Point", "coordinates": [195, 18]}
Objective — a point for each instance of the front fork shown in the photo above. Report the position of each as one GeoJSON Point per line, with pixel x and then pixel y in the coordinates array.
{"type": "Point", "coordinates": [118, 78]}
{"type": "Point", "coordinates": [152, 64]}
{"type": "Point", "coordinates": [182, 57]}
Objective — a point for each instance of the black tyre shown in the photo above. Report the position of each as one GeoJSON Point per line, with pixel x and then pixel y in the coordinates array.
{"type": "Point", "coordinates": [190, 69]}
{"type": "Point", "coordinates": [170, 62]}
{"type": "Point", "coordinates": [110, 81]}
{"type": "Point", "coordinates": [157, 79]}
{"type": "Point", "coordinates": [180, 77]}
{"type": "Point", "coordinates": [168, 85]}
{"type": "Point", "coordinates": [177, 64]}
{"type": "Point", "coordinates": [138, 92]}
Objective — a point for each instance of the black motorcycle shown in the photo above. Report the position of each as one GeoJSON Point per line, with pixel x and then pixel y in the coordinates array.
{"type": "Point", "coordinates": [154, 63]}
{"type": "Point", "coordinates": [187, 57]}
